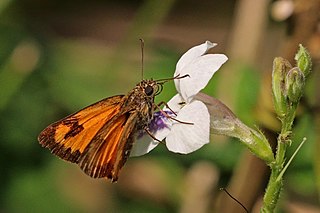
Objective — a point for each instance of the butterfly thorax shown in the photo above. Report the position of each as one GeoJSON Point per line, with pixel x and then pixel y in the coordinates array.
{"type": "Point", "coordinates": [141, 100]}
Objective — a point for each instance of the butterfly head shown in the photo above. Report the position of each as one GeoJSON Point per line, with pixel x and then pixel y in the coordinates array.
{"type": "Point", "coordinates": [150, 88]}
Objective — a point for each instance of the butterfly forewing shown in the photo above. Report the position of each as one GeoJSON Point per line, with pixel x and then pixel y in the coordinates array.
{"type": "Point", "coordinates": [69, 137]}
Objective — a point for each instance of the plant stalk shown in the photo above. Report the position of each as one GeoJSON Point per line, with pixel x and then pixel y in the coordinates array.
{"type": "Point", "coordinates": [275, 184]}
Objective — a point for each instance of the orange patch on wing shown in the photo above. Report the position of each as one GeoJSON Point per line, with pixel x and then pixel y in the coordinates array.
{"type": "Point", "coordinates": [69, 137]}
{"type": "Point", "coordinates": [100, 156]}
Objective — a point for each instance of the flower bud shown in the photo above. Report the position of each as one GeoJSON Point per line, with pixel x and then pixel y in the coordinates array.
{"type": "Point", "coordinates": [294, 84]}
{"type": "Point", "coordinates": [280, 68]}
{"type": "Point", "coordinates": [303, 60]}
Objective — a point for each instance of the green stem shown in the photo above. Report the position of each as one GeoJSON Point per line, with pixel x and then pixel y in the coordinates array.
{"type": "Point", "coordinates": [274, 187]}
{"type": "Point", "coordinates": [271, 196]}
{"type": "Point", "coordinates": [275, 184]}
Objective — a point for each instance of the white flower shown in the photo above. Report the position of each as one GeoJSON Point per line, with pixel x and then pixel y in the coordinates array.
{"type": "Point", "coordinates": [181, 137]}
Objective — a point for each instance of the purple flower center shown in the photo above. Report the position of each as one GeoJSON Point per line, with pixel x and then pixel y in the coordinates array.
{"type": "Point", "coordinates": [158, 122]}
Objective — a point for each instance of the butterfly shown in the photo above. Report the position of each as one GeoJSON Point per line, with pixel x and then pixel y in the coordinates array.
{"type": "Point", "coordinates": [99, 137]}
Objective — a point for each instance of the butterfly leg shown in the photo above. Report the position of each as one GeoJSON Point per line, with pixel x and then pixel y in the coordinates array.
{"type": "Point", "coordinates": [164, 103]}
{"type": "Point", "coordinates": [152, 136]}
{"type": "Point", "coordinates": [168, 116]}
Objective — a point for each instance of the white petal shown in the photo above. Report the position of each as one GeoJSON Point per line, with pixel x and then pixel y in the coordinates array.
{"type": "Point", "coordinates": [200, 72]}
{"type": "Point", "coordinates": [186, 138]}
{"type": "Point", "coordinates": [143, 145]}
{"type": "Point", "coordinates": [189, 56]}
{"type": "Point", "coordinates": [162, 133]}
{"type": "Point", "coordinates": [192, 54]}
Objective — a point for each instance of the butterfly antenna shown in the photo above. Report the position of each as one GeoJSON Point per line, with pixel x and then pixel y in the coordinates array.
{"type": "Point", "coordinates": [142, 55]}
{"type": "Point", "coordinates": [164, 80]}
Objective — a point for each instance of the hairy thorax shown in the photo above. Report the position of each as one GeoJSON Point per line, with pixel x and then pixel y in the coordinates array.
{"type": "Point", "coordinates": [141, 100]}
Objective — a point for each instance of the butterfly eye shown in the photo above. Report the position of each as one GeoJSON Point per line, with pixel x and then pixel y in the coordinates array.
{"type": "Point", "coordinates": [148, 90]}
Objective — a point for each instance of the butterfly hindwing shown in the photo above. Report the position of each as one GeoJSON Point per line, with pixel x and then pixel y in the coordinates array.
{"type": "Point", "coordinates": [110, 147]}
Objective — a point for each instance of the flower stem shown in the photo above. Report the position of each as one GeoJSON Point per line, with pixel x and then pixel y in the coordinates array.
{"type": "Point", "coordinates": [275, 184]}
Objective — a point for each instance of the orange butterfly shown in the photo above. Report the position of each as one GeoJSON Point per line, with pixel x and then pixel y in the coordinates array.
{"type": "Point", "coordinates": [99, 138]}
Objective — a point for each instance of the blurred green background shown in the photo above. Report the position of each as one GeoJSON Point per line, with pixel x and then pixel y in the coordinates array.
{"type": "Point", "coordinates": [57, 57]}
